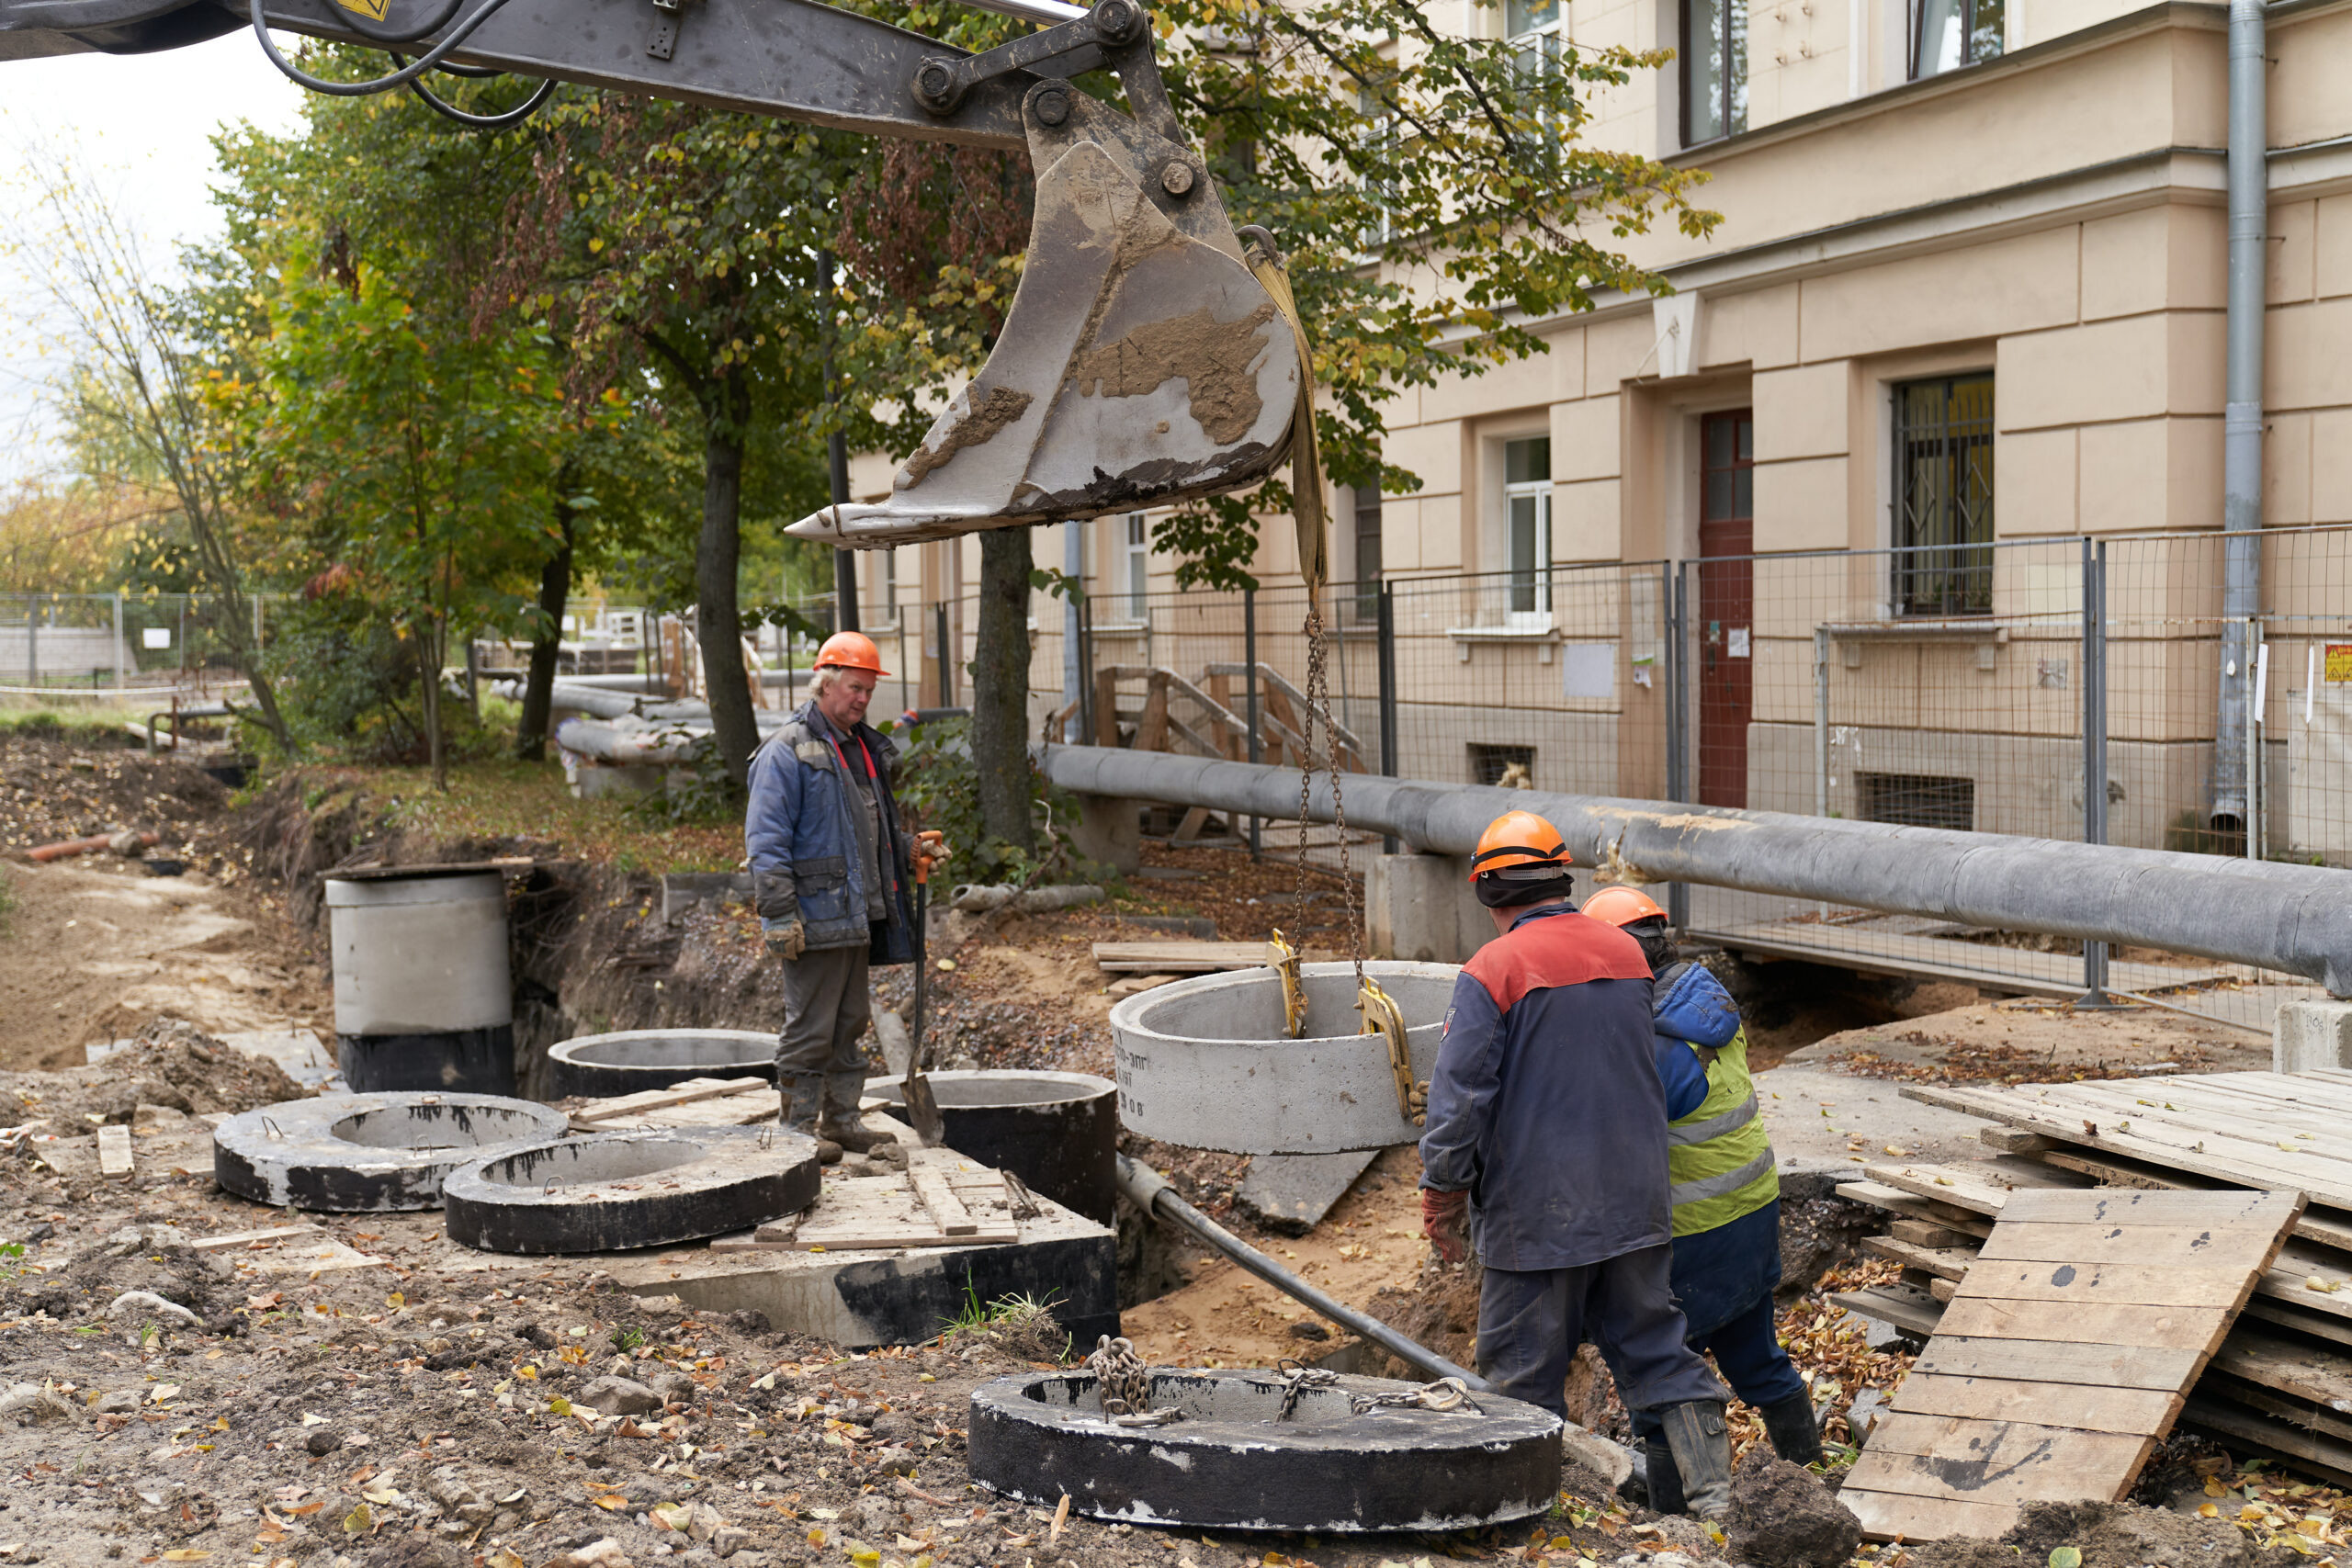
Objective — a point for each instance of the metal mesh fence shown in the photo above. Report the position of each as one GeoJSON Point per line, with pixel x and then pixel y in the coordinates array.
{"type": "Point", "coordinates": [62, 645]}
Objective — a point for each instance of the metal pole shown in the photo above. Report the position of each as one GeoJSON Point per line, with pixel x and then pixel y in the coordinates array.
{"type": "Point", "coordinates": [1073, 672]}
{"type": "Point", "coordinates": [946, 657]}
{"type": "Point", "coordinates": [1678, 733]}
{"type": "Point", "coordinates": [119, 681]}
{"type": "Point", "coordinates": [1821, 721]}
{"type": "Point", "coordinates": [2095, 953]}
{"type": "Point", "coordinates": [1086, 668]}
{"type": "Point", "coordinates": [1249, 689]}
{"type": "Point", "coordinates": [2249, 214]}
{"type": "Point", "coordinates": [32, 639]}
{"type": "Point", "coordinates": [1386, 666]}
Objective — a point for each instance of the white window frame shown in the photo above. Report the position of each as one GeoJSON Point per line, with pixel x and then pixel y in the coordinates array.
{"type": "Point", "coordinates": [1537, 494]}
{"type": "Point", "coordinates": [1134, 562]}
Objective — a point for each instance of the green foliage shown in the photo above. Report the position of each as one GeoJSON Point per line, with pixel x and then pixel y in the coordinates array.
{"type": "Point", "coordinates": [939, 788]}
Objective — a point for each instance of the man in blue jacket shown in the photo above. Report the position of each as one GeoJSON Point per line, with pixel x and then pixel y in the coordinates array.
{"type": "Point", "coordinates": [831, 866]}
{"type": "Point", "coordinates": [1726, 1193]}
{"type": "Point", "coordinates": [1547, 1142]}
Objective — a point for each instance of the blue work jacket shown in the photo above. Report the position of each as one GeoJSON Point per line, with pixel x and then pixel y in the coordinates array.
{"type": "Point", "coordinates": [803, 841]}
{"type": "Point", "coordinates": [1545, 1103]}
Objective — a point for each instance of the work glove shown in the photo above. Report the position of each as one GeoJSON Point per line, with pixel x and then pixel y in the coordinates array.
{"type": "Point", "coordinates": [1445, 1220]}
{"type": "Point", "coordinates": [786, 939]}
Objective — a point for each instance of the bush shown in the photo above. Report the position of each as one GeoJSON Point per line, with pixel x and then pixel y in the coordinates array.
{"type": "Point", "coordinates": [939, 788]}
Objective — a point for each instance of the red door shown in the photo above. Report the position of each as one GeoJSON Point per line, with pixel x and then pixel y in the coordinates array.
{"type": "Point", "coordinates": [1725, 659]}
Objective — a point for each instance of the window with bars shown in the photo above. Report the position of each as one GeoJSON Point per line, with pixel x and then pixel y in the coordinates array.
{"type": "Point", "coordinates": [1949, 34]}
{"type": "Point", "coordinates": [1943, 496]}
{"type": "Point", "coordinates": [1918, 800]}
{"type": "Point", "coordinates": [1492, 765]}
{"type": "Point", "coordinates": [1367, 563]}
{"type": "Point", "coordinates": [1715, 68]}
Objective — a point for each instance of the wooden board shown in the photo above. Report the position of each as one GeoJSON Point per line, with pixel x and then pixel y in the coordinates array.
{"type": "Point", "coordinates": [1177, 957]}
{"type": "Point", "coordinates": [114, 1151]}
{"type": "Point", "coordinates": [598, 1112]}
{"type": "Point", "coordinates": [1896, 1201]}
{"type": "Point", "coordinates": [2237, 1426]}
{"type": "Point", "coordinates": [943, 1199]}
{"type": "Point", "coordinates": [2307, 1371]}
{"type": "Point", "coordinates": [1943, 1262]}
{"type": "Point", "coordinates": [2111, 1335]}
{"type": "Point", "coordinates": [2289, 1315]}
{"type": "Point", "coordinates": [1914, 1311]}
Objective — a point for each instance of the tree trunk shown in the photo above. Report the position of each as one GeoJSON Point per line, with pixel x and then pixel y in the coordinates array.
{"type": "Point", "coordinates": [429, 644]}
{"type": "Point", "coordinates": [1000, 687]}
{"type": "Point", "coordinates": [718, 620]}
{"type": "Point", "coordinates": [546, 643]}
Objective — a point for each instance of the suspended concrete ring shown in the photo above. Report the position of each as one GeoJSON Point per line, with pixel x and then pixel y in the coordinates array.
{"type": "Point", "coordinates": [1230, 1464]}
{"type": "Point", "coordinates": [598, 1067]}
{"type": "Point", "coordinates": [368, 1152]}
{"type": "Point", "coordinates": [1204, 1063]}
{"type": "Point", "coordinates": [616, 1192]}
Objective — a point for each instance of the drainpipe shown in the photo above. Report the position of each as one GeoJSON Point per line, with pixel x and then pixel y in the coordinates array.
{"type": "Point", "coordinates": [2249, 202]}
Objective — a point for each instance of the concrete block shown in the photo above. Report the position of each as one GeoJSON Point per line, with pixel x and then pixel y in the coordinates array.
{"type": "Point", "coordinates": [1419, 907]}
{"type": "Point", "coordinates": [1291, 1193]}
{"type": "Point", "coordinates": [1110, 831]}
{"type": "Point", "coordinates": [2311, 1036]}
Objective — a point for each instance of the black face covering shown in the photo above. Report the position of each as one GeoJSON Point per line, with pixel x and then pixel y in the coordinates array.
{"type": "Point", "coordinates": [1495, 892]}
{"type": "Point", "coordinates": [1657, 947]}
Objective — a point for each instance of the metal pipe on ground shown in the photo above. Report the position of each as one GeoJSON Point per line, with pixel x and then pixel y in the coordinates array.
{"type": "Point", "coordinates": [979, 898]}
{"type": "Point", "coordinates": [2297, 919]}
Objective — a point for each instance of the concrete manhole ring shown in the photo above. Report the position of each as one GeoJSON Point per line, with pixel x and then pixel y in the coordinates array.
{"type": "Point", "coordinates": [1204, 1063]}
{"type": "Point", "coordinates": [369, 1152]}
{"type": "Point", "coordinates": [616, 1192]}
{"type": "Point", "coordinates": [1231, 1464]}
{"type": "Point", "coordinates": [598, 1067]}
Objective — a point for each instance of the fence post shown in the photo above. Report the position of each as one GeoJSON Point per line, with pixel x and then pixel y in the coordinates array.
{"type": "Point", "coordinates": [1821, 721]}
{"type": "Point", "coordinates": [1249, 688]}
{"type": "Point", "coordinates": [1386, 666]}
{"type": "Point", "coordinates": [120, 681]}
{"type": "Point", "coordinates": [32, 639]}
{"type": "Point", "coordinates": [1678, 737]}
{"type": "Point", "coordinates": [2095, 953]}
{"type": "Point", "coordinates": [1086, 670]}
{"type": "Point", "coordinates": [946, 656]}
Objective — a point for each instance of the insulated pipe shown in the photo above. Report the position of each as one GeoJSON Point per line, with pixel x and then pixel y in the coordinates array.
{"type": "Point", "coordinates": [2249, 209]}
{"type": "Point", "coordinates": [1148, 1191]}
{"type": "Point", "coordinates": [2292, 918]}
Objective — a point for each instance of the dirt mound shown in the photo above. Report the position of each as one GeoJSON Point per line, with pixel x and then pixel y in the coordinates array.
{"type": "Point", "coordinates": [2109, 1535]}
{"type": "Point", "coordinates": [1782, 1517]}
{"type": "Point", "coordinates": [168, 1064]}
{"type": "Point", "coordinates": [73, 782]}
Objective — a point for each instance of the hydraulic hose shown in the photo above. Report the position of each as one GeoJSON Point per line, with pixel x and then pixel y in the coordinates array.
{"type": "Point", "coordinates": [1149, 1190]}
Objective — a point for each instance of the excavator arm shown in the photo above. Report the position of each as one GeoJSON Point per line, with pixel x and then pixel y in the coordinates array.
{"type": "Point", "coordinates": [1141, 362]}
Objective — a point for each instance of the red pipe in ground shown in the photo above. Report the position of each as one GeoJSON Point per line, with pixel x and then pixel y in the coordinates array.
{"type": "Point", "coordinates": [71, 847]}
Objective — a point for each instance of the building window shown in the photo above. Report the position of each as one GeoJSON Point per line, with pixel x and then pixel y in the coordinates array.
{"type": "Point", "coordinates": [1918, 800]}
{"type": "Point", "coordinates": [1943, 496]}
{"type": "Point", "coordinates": [1137, 567]}
{"type": "Point", "coordinates": [1949, 34]}
{"type": "Point", "coordinates": [1715, 68]}
{"type": "Point", "coordinates": [1536, 30]}
{"type": "Point", "coordinates": [1513, 767]}
{"type": "Point", "coordinates": [1527, 527]}
{"type": "Point", "coordinates": [1367, 537]}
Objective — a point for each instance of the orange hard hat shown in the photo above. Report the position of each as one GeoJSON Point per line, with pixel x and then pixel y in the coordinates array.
{"type": "Point", "coordinates": [1517, 839]}
{"type": "Point", "coordinates": [851, 650]}
{"type": "Point", "coordinates": [1622, 906]}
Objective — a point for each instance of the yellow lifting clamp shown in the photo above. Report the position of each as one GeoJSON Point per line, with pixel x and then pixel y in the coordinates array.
{"type": "Point", "coordinates": [1283, 959]}
{"type": "Point", "coordinates": [1381, 1016]}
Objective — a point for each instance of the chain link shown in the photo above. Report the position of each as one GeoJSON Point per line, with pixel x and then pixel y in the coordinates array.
{"type": "Point", "coordinates": [1318, 706]}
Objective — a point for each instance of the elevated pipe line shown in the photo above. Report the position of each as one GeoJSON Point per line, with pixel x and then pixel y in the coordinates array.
{"type": "Point", "coordinates": [2296, 919]}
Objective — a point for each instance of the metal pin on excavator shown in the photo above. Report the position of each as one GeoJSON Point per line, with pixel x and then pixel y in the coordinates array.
{"type": "Point", "coordinates": [1142, 362]}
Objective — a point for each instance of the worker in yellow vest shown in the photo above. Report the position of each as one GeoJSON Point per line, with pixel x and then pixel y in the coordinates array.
{"type": "Point", "coordinates": [1726, 1191]}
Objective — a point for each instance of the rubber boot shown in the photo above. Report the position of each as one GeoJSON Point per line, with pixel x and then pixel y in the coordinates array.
{"type": "Point", "coordinates": [803, 1094]}
{"type": "Point", "coordinates": [1664, 1481]}
{"type": "Point", "coordinates": [1701, 1442]}
{"type": "Point", "coordinates": [840, 1123]}
{"type": "Point", "coordinates": [1796, 1436]}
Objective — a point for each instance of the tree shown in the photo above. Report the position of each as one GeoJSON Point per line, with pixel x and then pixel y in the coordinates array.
{"type": "Point", "coordinates": [142, 388]}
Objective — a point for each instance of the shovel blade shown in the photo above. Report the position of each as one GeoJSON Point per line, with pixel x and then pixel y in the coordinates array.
{"type": "Point", "coordinates": [923, 1110]}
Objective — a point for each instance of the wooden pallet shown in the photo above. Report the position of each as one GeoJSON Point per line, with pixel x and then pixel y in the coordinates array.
{"type": "Point", "coordinates": [941, 1200]}
{"type": "Point", "coordinates": [1177, 957]}
{"type": "Point", "coordinates": [2067, 1353]}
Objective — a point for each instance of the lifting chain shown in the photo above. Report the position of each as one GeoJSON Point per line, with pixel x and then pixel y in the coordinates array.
{"type": "Point", "coordinates": [1297, 1378]}
{"type": "Point", "coordinates": [1445, 1395]}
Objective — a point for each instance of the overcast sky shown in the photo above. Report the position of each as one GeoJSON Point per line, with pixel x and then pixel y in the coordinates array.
{"type": "Point", "coordinates": [143, 124]}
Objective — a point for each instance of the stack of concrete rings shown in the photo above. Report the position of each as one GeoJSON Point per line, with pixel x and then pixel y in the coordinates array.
{"type": "Point", "coordinates": [369, 1152]}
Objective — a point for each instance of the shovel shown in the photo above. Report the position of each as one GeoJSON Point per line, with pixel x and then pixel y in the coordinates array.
{"type": "Point", "coordinates": [923, 1106]}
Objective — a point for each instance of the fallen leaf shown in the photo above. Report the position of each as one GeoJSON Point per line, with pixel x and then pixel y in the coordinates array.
{"type": "Point", "coordinates": [2065, 1557]}
{"type": "Point", "coordinates": [611, 1500]}
{"type": "Point", "coordinates": [185, 1554]}
{"type": "Point", "coordinates": [359, 1520]}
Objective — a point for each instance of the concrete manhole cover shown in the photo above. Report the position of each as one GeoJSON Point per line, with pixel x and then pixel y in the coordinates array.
{"type": "Point", "coordinates": [598, 1067]}
{"type": "Point", "coordinates": [1230, 1462]}
{"type": "Point", "coordinates": [615, 1191]}
{"type": "Point", "coordinates": [369, 1152]}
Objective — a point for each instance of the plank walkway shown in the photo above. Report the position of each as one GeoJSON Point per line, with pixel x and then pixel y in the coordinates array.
{"type": "Point", "coordinates": [2067, 1350]}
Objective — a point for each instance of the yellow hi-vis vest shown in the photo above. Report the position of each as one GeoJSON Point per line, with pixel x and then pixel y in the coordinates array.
{"type": "Point", "coordinates": [1718, 1158]}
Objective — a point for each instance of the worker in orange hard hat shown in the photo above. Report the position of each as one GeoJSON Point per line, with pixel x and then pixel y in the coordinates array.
{"type": "Point", "coordinates": [832, 865]}
{"type": "Point", "coordinates": [1726, 1191]}
{"type": "Point", "coordinates": [1545, 1147]}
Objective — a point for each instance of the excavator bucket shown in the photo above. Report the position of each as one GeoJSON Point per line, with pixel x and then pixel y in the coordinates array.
{"type": "Point", "coordinates": [1141, 362]}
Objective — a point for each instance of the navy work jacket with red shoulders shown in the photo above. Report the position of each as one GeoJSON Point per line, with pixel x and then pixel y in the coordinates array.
{"type": "Point", "coordinates": [1545, 1103]}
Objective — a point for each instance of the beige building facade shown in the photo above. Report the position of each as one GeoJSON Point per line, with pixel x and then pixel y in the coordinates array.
{"type": "Point", "coordinates": [1967, 293]}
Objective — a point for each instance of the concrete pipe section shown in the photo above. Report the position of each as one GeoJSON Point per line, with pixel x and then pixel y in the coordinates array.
{"type": "Point", "coordinates": [421, 993]}
{"type": "Point", "coordinates": [1057, 1132]}
{"type": "Point", "coordinates": [598, 1067]}
{"type": "Point", "coordinates": [369, 1152]}
{"type": "Point", "coordinates": [1204, 1063]}
{"type": "Point", "coordinates": [1230, 1464]}
{"type": "Point", "coordinates": [616, 1192]}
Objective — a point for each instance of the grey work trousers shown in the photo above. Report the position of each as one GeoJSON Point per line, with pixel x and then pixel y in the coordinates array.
{"type": "Point", "coordinates": [1531, 1323]}
{"type": "Point", "coordinates": [826, 1009]}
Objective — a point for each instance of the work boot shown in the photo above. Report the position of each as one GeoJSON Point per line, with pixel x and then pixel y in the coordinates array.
{"type": "Point", "coordinates": [1664, 1481]}
{"type": "Point", "coordinates": [803, 1097]}
{"type": "Point", "coordinates": [1701, 1444]}
{"type": "Point", "coordinates": [841, 1123]}
{"type": "Point", "coordinates": [1796, 1436]}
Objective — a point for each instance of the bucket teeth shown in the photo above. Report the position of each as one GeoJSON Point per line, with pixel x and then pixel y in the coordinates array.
{"type": "Point", "coordinates": [1139, 364]}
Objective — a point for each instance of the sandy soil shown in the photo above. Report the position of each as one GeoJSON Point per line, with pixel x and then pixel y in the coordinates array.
{"type": "Point", "coordinates": [2030, 1043]}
